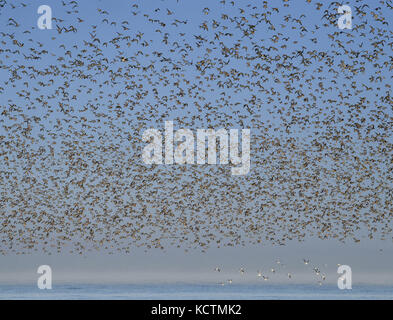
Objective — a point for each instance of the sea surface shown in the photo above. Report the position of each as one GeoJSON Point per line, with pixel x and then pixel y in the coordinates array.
{"type": "Point", "coordinates": [195, 291]}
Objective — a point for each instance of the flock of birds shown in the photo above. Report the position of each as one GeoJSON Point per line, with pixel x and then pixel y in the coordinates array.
{"type": "Point", "coordinates": [319, 276]}
{"type": "Point", "coordinates": [76, 99]}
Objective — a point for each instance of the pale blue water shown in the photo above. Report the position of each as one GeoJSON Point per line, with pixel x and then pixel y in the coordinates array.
{"type": "Point", "coordinates": [195, 291]}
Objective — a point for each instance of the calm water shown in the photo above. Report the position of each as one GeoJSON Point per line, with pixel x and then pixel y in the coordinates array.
{"type": "Point", "coordinates": [195, 291]}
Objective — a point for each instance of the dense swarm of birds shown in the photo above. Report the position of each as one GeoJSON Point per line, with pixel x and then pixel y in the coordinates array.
{"type": "Point", "coordinates": [76, 99]}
